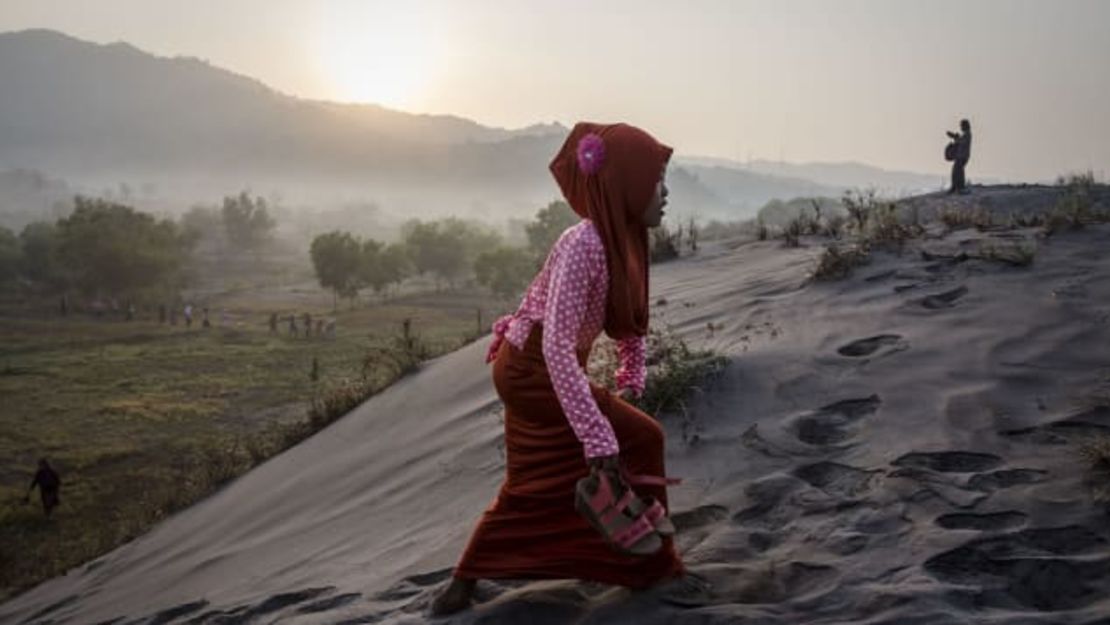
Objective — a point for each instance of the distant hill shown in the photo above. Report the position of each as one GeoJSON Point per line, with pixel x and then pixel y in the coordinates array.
{"type": "Point", "coordinates": [99, 116]}
{"type": "Point", "coordinates": [834, 175]}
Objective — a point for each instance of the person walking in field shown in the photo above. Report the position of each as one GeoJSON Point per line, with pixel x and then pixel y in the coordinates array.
{"type": "Point", "coordinates": [49, 487]}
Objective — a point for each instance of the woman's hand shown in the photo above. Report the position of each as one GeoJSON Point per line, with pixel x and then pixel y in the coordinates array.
{"type": "Point", "coordinates": [604, 463]}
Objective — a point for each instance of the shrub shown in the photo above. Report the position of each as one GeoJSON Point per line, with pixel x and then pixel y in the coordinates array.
{"type": "Point", "coordinates": [1016, 255]}
{"type": "Point", "coordinates": [886, 228]}
{"type": "Point", "coordinates": [834, 226]}
{"type": "Point", "coordinates": [664, 245]}
{"type": "Point", "coordinates": [838, 261]}
{"type": "Point", "coordinates": [674, 372]}
{"type": "Point", "coordinates": [791, 234]}
{"type": "Point", "coordinates": [860, 205]}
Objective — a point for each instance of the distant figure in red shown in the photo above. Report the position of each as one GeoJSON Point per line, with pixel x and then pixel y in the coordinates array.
{"type": "Point", "coordinates": [559, 428]}
{"type": "Point", "coordinates": [49, 484]}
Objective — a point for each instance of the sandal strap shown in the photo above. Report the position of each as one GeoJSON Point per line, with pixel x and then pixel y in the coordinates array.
{"type": "Point", "coordinates": [655, 511]}
{"type": "Point", "coordinates": [603, 496]}
{"type": "Point", "coordinates": [634, 533]}
{"type": "Point", "coordinates": [648, 480]}
{"type": "Point", "coordinates": [618, 508]}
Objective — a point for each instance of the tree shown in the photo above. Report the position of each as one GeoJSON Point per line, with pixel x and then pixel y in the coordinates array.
{"type": "Point", "coordinates": [549, 225]}
{"type": "Point", "coordinates": [247, 221]}
{"type": "Point", "coordinates": [9, 256]}
{"type": "Point", "coordinates": [435, 249]}
{"type": "Point", "coordinates": [203, 223]}
{"type": "Point", "coordinates": [337, 259]}
{"type": "Point", "coordinates": [475, 237]}
{"type": "Point", "coordinates": [395, 263]}
{"type": "Point", "coordinates": [371, 269]}
{"type": "Point", "coordinates": [39, 245]}
{"type": "Point", "coordinates": [506, 270]}
{"type": "Point", "coordinates": [104, 246]}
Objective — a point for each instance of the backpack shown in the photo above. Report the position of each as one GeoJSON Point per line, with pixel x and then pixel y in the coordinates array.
{"type": "Point", "coordinates": [950, 151]}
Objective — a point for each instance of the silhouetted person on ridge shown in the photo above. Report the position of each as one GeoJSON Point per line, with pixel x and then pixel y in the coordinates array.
{"type": "Point", "coordinates": [49, 484]}
{"type": "Point", "coordinates": [960, 149]}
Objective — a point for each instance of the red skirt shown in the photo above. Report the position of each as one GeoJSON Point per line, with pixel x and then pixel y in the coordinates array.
{"type": "Point", "coordinates": [531, 529]}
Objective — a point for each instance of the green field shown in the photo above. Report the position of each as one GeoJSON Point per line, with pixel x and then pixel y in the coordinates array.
{"type": "Point", "coordinates": [142, 418]}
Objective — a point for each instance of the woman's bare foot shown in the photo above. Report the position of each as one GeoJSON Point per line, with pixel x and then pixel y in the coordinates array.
{"type": "Point", "coordinates": [454, 598]}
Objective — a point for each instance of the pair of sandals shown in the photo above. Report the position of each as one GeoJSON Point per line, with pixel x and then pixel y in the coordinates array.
{"type": "Point", "coordinates": [630, 524]}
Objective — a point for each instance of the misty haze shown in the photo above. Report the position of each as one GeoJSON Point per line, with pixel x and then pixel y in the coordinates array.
{"type": "Point", "coordinates": [361, 312]}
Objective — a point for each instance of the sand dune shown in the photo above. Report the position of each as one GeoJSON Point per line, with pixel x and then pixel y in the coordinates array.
{"type": "Point", "coordinates": [897, 447]}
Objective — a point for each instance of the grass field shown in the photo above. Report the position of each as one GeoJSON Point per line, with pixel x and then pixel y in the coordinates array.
{"type": "Point", "coordinates": [141, 418]}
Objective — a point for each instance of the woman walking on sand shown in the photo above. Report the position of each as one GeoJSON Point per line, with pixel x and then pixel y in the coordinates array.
{"type": "Point", "coordinates": [558, 427]}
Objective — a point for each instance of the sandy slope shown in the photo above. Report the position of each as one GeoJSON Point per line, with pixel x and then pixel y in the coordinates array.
{"type": "Point", "coordinates": [897, 447]}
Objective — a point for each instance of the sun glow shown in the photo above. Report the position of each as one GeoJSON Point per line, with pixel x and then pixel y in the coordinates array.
{"type": "Point", "coordinates": [378, 56]}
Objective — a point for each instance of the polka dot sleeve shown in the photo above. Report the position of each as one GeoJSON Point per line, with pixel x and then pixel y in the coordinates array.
{"type": "Point", "coordinates": [631, 374]}
{"type": "Point", "coordinates": [567, 300]}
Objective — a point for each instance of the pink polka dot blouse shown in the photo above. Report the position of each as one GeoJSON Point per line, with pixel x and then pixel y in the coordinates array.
{"type": "Point", "coordinates": [568, 298]}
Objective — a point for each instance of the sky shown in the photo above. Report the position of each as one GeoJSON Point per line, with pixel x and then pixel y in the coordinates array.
{"type": "Point", "coordinates": [871, 81]}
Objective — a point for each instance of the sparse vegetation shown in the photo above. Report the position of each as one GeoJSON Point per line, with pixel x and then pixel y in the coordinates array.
{"type": "Point", "coordinates": [838, 260]}
{"type": "Point", "coordinates": [834, 226]}
{"type": "Point", "coordinates": [664, 244]}
{"type": "Point", "coordinates": [887, 229]}
{"type": "Point", "coordinates": [792, 232]}
{"type": "Point", "coordinates": [1016, 255]}
{"type": "Point", "coordinates": [859, 205]}
{"type": "Point", "coordinates": [147, 418]}
{"type": "Point", "coordinates": [674, 372]}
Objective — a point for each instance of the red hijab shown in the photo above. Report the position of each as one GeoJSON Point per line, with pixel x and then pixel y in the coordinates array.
{"type": "Point", "coordinates": [608, 174]}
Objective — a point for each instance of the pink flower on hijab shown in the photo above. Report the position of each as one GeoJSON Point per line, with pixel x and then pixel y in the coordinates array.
{"type": "Point", "coordinates": [591, 153]}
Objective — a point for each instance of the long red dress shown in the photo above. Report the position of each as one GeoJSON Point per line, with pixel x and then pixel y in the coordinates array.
{"type": "Point", "coordinates": [531, 529]}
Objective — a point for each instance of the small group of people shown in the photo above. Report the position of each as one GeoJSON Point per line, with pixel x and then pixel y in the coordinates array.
{"type": "Point", "coordinates": [100, 307]}
{"type": "Point", "coordinates": [323, 327]}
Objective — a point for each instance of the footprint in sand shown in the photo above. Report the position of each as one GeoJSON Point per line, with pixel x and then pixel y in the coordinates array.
{"type": "Point", "coordinates": [829, 424]}
{"type": "Point", "coordinates": [949, 461]}
{"type": "Point", "coordinates": [698, 517]}
{"type": "Point", "coordinates": [413, 585]}
{"type": "Point", "coordinates": [57, 605]}
{"type": "Point", "coordinates": [838, 480]}
{"type": "Point", "coordinates": [1041, 568]}
{"type": "Point", "coordinates": [768, 584]}
{"type": "Point", "coordinates": [868, 346]}
{"type": "Point", "coordinates": [171, 614]}
{"type": "Point", "coordinates": [882, 275]}
{"type": "Point", "coordinates": [989, 522]}
{"type": "Point", "coordinates": [248, 613]}
{"type": "Point", "coordinates": [1006, 478]}
{"type": "Point", "coordinates": [331, 603]}
{"type": "Point", "coordinates": [766, 494]}
{"type": "Point", "coordinates": [1085, 424]}
{"type": "Point", "coordinates": [944, 300]}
